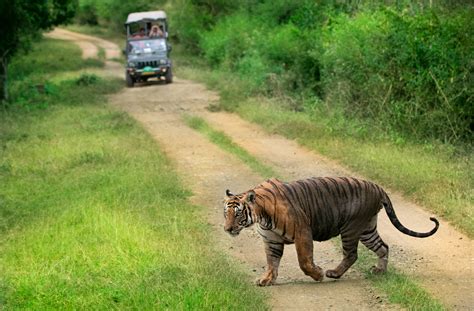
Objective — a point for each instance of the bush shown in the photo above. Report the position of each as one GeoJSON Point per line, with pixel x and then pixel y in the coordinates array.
{"type": "Point", "coordinates": [115, 12]}
{"type": "Point", "coordinates": [352, 60]}
{"type": "Point", "coordinates": [229, 40]}
{"type": "Point", "coordinates": [86, 79]}
{"type": "Point", "coordinates": [87, 15]}
{"type": "Point", "coordinates": [432, 61]}
{"type": "Point", "coordinates": [406, 72]}
{"type": "Point", "coordinates": [294, 54]}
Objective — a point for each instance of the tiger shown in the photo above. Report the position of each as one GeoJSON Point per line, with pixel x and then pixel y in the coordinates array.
{"type": "Point", "coordinates": [314, 209]}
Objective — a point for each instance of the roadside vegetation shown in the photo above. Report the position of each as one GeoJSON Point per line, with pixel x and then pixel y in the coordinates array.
{"type": "Point", "coordinates": [22, 22]}
{"type": "Point", "coordinates": [401, 68]}
{"type": "Point", "coordinates": [437, 176]}
{"type": "Point", "coordinates": [92, 214]}
{"type": "Point", "coordinates": [386, 89]}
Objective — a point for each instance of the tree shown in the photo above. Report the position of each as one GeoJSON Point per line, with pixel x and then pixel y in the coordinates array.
{"type": "Point", "coordinates": [22, 21]}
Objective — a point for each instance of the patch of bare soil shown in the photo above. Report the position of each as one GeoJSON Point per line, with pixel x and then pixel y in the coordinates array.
{"type": "Point", "coordinates": [442, 263]}
{"type": "Point", "coordinates": [90, 45]}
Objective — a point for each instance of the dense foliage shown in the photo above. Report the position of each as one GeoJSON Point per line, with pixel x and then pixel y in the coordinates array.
{"type": "Point", "coordinates": [402, 67]}
{"type": "Point", "coordinates": [113, 13]}
{"type": "Point", "coordinates": [405, 68]}
{"type": "Point", "coordinates": [22, 20]}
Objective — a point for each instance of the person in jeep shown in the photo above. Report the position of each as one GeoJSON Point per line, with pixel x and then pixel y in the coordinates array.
{"type": "Point", "coordinates": [139, 34]}
{"type": "Point", "coordinates": [156, 32]}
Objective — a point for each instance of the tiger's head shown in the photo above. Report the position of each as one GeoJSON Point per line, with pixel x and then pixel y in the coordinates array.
{"type": "Point", "coordinates": [238, 212]}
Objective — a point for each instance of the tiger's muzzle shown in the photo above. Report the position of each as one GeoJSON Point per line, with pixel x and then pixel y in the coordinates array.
{"type": "Point", "coordinates": [233, 231]}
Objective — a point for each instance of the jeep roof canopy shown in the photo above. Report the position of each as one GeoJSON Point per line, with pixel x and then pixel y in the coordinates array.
{"type": "Point", "coordinates": [150, 16]}
{"type": "Point", "coordinates": [145, 19]}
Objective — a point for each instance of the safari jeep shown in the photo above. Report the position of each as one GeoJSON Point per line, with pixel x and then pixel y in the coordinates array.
{"type": "Point", "coordinates": [147, 49]}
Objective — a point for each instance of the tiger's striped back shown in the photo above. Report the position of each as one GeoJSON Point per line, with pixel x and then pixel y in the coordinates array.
{"type": "Point", "coordinates": [325, 204]}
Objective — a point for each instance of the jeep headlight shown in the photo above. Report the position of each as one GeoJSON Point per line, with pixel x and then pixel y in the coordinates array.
{"type": "Point", "coordinates": [131, 64]}
{"type": "Point", "coordinates": [163, 61]}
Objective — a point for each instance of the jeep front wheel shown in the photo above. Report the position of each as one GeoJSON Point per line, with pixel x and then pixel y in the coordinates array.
{"type": "Point", "coordinates": [129, 80]}
{"type": "Point", "coordinates": [169, 76]}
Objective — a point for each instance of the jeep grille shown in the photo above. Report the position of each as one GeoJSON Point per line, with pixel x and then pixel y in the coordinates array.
{"type": "Point", "coordinates": [152, 63]}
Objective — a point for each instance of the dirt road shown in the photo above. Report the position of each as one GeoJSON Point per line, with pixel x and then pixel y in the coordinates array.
{"type": "Point", "coordinates": [443, 264]}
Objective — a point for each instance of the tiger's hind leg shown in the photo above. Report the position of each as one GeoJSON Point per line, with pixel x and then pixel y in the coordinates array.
{"type": "Point", "coordinates": [350, 241]}
{"type": "Point", "coordinates": [371, 239]}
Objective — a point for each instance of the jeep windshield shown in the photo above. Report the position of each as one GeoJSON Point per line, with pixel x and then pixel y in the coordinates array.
{"type": "Point", "coordinates": [147, 46]}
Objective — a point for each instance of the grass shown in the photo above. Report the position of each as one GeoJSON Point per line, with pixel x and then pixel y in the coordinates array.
{"type": "Point", "coordinates": [226, 143]}
{"type": "Point", "coordinates": [400, 288]}
{"type": "Point", "coordinates": [92, 214]}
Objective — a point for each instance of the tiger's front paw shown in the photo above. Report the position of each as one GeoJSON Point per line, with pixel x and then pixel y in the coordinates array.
{"type": "Point", "coordinates": [264, 282]}
{"type": "Point", "coordinates": [317, 274]}
{"type": "Point", "coordinates": [267, 278]}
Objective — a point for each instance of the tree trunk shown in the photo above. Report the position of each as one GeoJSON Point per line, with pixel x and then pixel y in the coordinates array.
{"type": "Point", "coordinates": [3, 79]}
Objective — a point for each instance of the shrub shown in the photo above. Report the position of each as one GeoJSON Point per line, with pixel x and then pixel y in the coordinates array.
{"type": "Point", "coordinates": [87, 15]}
{"type": "Point", "coordinates": [406, 72]}
{"type": "Point", "coordinates": [86, 79]}
{"type": "Point", "coordinates": [405, 69]}
{"type": "Point", "coordinates": [431, 60]}
{"type": "Point", "coordinates": [294, 54]}
{"type": "Point", "coordinates": [353, 48]}
{"type": "Point", "coordinates": [230, 39]}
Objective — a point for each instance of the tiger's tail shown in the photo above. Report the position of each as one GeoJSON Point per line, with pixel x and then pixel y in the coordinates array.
{"type": "Point", "coordinates": [387, 204]}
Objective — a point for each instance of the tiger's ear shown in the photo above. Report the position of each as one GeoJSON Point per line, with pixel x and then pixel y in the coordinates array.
{"type": "Point", "coordinates": [251, 196]}
{"type": "Point", "coordinates": [228, 193]}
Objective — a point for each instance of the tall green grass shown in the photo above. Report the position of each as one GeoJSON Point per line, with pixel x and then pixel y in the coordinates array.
{"type": "Point", "coordinates": [403, 69]}
{"type": "Point", "coordinates": [92, 214]}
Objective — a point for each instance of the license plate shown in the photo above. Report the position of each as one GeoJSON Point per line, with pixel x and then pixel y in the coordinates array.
{"type": "Point", "coordinates": [148, 71]}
